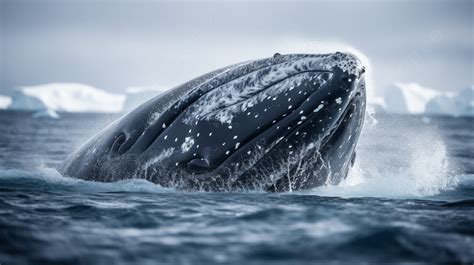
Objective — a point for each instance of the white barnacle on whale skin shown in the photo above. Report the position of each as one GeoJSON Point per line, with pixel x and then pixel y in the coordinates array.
{"type": "Point", "coordinates": [187, 144]}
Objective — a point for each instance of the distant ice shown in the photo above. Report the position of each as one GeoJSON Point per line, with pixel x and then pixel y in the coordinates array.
{"type": "Point", "coordinates": [404, 98]}
{"type": "Point", "coordinates": [408, 98]}
{"type": "Point", "coordinates": [4, 102]}
{"type": "Point", "coordinates": [460, 104]}
{"type": "Point", "coordinates": [66, 97]}
{"type": "Point", "coordinates": [412, 98]}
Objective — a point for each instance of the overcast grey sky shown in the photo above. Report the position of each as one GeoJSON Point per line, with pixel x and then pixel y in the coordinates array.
{"type": "Point", "coordinates": [116, 44]}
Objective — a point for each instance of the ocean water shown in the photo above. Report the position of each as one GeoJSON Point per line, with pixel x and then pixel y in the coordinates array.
{"type": "Point", "coordinates": [408, 199]}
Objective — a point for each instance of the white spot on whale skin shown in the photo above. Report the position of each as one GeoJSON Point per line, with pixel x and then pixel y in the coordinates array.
{"type": "Point", "coordinates": [319, 107]}
{"type": "Point", "coordinates": [228, 152]}
{"type": "Point", "coordinates": [237, 145]}
{"type": "Point", "coordinates": [235, 136]}
{"type": "Point", "coordinates": [188, 143]}
{"type": "Point", "coordinates": [166, 136]}
{"type": "Point", "coordinates": [176, 139]}
{"type": "Point", "coordinates": [289, 107]}
{"type": "Point", "coordinates": [338, 100]}
{"type": "Point", "coordinates": [210, 134]}
{"type": "Point", "coordinates": [164, 125]}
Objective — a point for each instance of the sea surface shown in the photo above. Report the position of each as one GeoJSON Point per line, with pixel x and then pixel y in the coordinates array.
{"type": "Point", "coordinates": [408, 199]}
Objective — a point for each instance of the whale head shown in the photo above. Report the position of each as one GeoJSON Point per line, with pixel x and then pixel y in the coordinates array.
{"type": "Point", "coordinates": [283, 123]}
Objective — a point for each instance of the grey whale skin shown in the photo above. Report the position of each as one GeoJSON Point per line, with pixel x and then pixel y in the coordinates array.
{"type": "Point", "coordinates": [283, 123]}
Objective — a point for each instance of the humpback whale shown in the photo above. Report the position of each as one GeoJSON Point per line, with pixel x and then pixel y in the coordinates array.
{"type": "Point", "coordinates": [283, 123]}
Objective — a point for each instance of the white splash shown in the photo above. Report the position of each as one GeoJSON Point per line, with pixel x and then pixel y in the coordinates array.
{"type": "Point", "coordinates": [414, 165]}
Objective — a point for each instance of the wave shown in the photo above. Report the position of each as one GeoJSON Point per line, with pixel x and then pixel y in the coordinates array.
{"type": "Point", "coordinates": [49, 179]}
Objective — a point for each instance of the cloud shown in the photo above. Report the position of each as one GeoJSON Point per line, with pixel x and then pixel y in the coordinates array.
{"type": "Point", "coordinates": [166, 43]}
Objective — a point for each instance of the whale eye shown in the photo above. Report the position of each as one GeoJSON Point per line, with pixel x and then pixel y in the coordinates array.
{"type": "Point", "coordinates": [277, 55]}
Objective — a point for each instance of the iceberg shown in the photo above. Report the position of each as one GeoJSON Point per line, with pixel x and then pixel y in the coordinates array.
{"type": "Point", "coordinates": [408, 98]}
{"type": "Point", "coordinates": [4, 102]}
{"type": "Point", "coordinates": [66, 97]}
{"type": "Point", "coordinates": [138, 95]}
{"type": "Point", "coordinates": [412, 98]}
{"type": "Point", "coordinates": [455, 104]}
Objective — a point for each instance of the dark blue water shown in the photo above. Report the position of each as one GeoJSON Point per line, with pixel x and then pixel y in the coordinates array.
{"type": "Point", "coordinates": [410, 198]}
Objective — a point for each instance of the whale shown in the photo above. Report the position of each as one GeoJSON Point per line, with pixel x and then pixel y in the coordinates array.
{"type": "Point", "coordinates": [279, 124]}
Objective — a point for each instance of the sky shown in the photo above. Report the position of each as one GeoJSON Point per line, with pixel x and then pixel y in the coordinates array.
{"type": "Point", "coordinates": [118, 44]}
